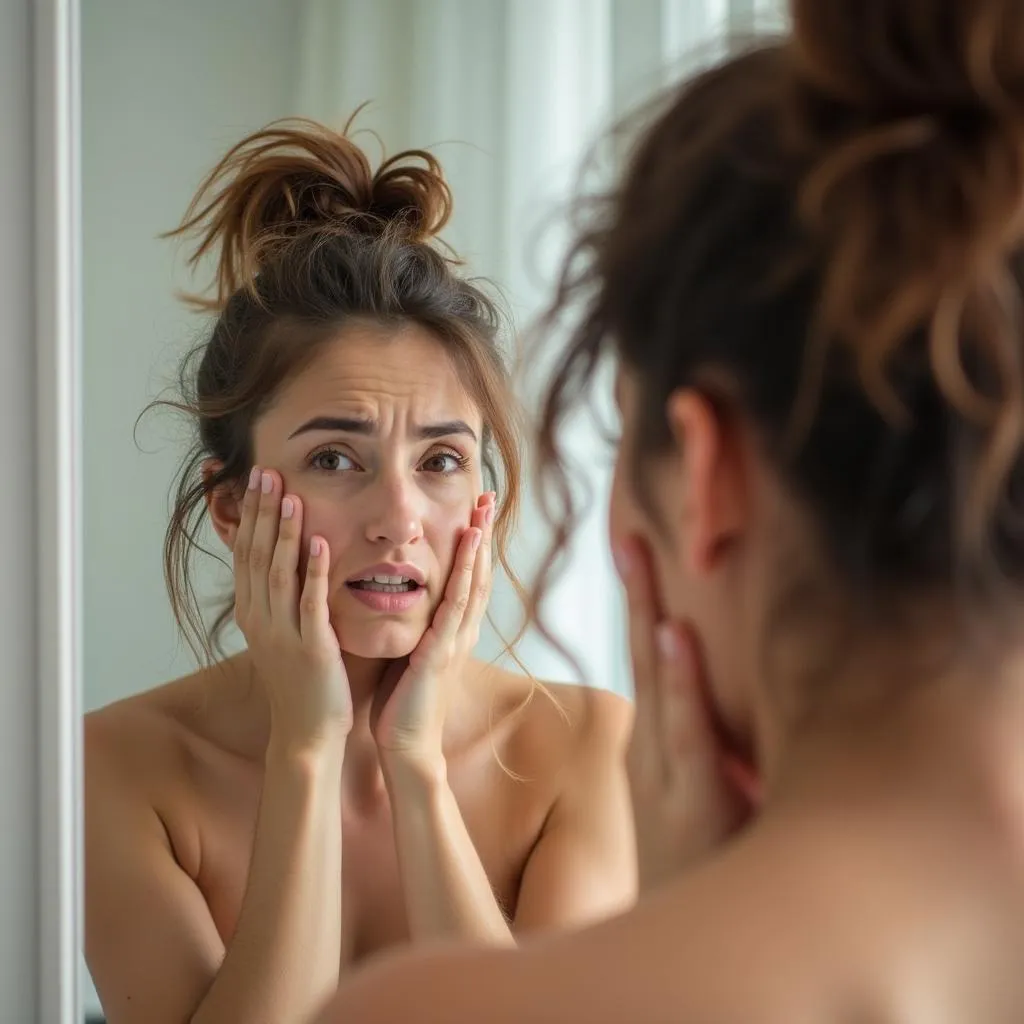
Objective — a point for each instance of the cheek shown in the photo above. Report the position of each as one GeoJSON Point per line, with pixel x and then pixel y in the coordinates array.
{"type": "Point", "coordinates": [324, 516]}
{"type": "Point", "coordinates": [446, 520]}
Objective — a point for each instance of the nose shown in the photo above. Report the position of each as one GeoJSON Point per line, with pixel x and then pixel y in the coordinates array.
{"type": "Point", "coordinates": [395, 517]}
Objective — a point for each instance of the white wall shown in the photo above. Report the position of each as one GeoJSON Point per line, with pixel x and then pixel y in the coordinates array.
{"type": "Point", "coordinates": [167, 87]}
{"type": "Point", "coordinates": [18, 800]}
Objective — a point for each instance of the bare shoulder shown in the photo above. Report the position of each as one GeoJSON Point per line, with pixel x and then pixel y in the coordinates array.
{"type": "Point", "coordinates": [135, 747]}
{"type": "Point", "coordinates": [730, 941]}
{"type": "Point", "coordinates": [593, 716]}
{"type": "Point", "coordinates": [552, 727]}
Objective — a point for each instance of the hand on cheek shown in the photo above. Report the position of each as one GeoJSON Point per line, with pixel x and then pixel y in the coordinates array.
{"type": "Point", "coordinates": [410, 710]}
{"type": "Point", "coordinates": [284, 617]}
{"type": "Point", "coordinates": [686, 798]}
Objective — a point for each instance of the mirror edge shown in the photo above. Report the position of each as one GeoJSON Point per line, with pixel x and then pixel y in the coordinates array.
{"type": "Point", "coordinates": [58, 466]}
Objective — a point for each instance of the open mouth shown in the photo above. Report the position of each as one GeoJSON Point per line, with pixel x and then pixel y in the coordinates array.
{"type": "Point", "coordinates": [385, 584]}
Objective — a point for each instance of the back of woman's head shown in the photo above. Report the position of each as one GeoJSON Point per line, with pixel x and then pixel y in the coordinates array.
{"type": "Point", "coordinates": [310, 240]}
{"type": "Point", "coordinates": [825, 235]}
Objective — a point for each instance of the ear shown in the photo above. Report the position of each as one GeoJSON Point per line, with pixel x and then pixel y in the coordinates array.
{"type": "Point", "coordinates": [224, 504]}
{"type": "Point", "coordinates": [715, 490]}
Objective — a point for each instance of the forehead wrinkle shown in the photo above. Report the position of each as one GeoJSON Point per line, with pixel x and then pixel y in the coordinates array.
{"type": "Point", "coordinates": [399, 379]}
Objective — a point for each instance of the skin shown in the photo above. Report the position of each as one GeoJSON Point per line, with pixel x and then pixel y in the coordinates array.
{"type": "Point", "coordinates": [867, 864]}
{"type": "Point", "coordinates": [255, 830]}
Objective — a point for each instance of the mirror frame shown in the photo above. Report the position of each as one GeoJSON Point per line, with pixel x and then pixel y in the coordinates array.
{"type": "Point", "coordinates": [57, 122]}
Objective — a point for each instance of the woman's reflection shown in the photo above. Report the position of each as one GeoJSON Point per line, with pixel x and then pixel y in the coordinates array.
{"type": "Point", "coordinates": [355, 778]}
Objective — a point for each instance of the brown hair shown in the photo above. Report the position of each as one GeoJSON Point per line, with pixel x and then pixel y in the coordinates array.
{"type": "Point", "coordinates": [310, 240]}
{"type": "Point", "coordinates": [832, 223]}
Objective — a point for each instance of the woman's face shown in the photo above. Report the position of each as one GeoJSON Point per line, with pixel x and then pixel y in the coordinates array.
{"type": "Point", "coordinates": [382, 444]}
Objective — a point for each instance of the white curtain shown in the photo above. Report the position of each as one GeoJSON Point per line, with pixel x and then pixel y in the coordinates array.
{"type": "Point", "coordinates": [510, 94]}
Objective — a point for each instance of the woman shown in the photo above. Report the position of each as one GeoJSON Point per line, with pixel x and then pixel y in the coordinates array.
{"type": "Point", "coordinates": [354, 779]}
{"type": "Point", "coordinates": [810, 279]}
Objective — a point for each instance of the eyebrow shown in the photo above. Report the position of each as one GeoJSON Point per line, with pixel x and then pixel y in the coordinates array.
{"type": "Point", "coordinates": [367, 428]}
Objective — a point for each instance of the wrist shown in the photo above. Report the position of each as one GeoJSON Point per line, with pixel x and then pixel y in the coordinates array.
{"type": "Point", "coordinates": [310, 756]}
{"type": "Point", "coordinates": [417, 775]}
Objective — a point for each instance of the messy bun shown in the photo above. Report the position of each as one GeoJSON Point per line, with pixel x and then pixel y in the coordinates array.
{"type": "Point", "coordinates": [896, 59]}
{"type": "Point", "coordinates": [298, 177]}
{"type": "Point", "coordinates": [911, 118]}
{"type": "Point", "coordinates": [824, 234]}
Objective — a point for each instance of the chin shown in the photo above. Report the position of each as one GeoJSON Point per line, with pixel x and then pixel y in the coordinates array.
{"type": "Point", "coordinates": [386, 641]}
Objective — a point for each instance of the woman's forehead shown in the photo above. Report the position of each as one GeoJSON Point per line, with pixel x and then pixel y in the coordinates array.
{"type": "Point", "coordinates": [376, 374]}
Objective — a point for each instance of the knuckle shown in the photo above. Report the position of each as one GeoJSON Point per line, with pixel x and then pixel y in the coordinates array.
{"type": "Point", "coordinates": [309, 605]}
{"type": "Point", "coordinates": [280, 578]}
{"type": "Point", "coordinates": [461, 603]}
{"type": "Point", "coordinates": [241, 552]}
{"type": "Point", "coordinates": [258, 558]}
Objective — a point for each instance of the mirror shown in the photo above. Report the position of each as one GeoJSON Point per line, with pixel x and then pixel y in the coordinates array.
{"type": "Point", "coordinates": [503, 95]}
{"type": "Point", "coordinates": [507, 94]}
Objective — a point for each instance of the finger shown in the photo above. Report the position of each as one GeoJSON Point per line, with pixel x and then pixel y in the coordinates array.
{"type": "Point", "coordinates": [641, 608]}
{"type": "Point", "coordinates": [480, 584]}
{"type": "Point", "coordinates": [452, 609]}
{"type": "Point", "coordinates": [686, 738]}
{"type": "Point", "coordinates": [633, 566]}
{"type": "Point", "coordinates": [243, 543]}
{"type": "Point", "coordinates": [744, 779]}
{"type": "Point", "coordinates": [314, 615]}
{"type": "Point", "coordinates": [264, 539]}
{"type": "Point", "coordinates": [283, 579]}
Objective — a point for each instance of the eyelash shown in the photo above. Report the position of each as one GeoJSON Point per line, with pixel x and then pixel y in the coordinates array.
{"type": "Point", "coordinates": [461, 461]}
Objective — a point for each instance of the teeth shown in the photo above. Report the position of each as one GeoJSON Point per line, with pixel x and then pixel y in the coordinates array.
{"type": "Point", "coordinates": [385, 584]}
{"type": "Point", "coordinates": [385, 588]}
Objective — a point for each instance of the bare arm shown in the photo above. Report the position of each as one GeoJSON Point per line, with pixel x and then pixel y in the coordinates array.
{"type": "Point", "coordinates": [286, 952]}
{"type": "Point", "coordinates": [152, 947]}
{"type": "Point", "coordinates": [447, 892]}
{"type": "Point", "coordinates": [581, 869]}
{"type": "Point", "coordinates": [152, 944]}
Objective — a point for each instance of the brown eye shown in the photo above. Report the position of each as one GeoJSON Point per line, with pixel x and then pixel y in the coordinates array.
{"type": "Point", "coordinates": [331, 461]}
{"type": "Point", "coordinates": [443, 462]}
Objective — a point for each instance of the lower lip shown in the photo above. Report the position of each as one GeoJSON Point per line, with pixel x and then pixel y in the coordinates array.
{"type": "Point", "coordinates": [381, 601]}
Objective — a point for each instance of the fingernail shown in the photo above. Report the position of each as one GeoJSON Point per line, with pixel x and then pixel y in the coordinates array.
{"type": "Point", "coordinates": [622, 560]}
{"type": "Point", "coordinates": [287, 508]}
{"type": "Point", "coordinates": [668, 641]}
{"type": "Point", "coordinates": [268, 483]}
{"type": "Point", "coordinates": [254, 478]}
{"type": "Point", "coordinates": [489, 514]}
{"type": "Point", "coordinates": [315, 546]}
{"type": "Point", "coordinates": [475, 542]}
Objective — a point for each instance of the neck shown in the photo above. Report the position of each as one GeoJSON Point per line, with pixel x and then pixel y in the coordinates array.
{"type": "Point", "coordinates": [949, 744]}
{"type": "Point", "coordinates": [364, 679]}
